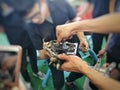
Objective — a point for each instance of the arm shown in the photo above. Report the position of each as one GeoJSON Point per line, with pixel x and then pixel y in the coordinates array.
{"type": "Point", "coordinates": [101, 81]}
{"type": "Point", "coordinates": [104, 24]}
{"type": "Point", "coordinates": [81, 37]}
{"type": "Point", "coordinates": [76, 64]}
{"type": "Point", "coordinates": [103, 51]}
{"type": "Point", "coordinates": [83, 42]}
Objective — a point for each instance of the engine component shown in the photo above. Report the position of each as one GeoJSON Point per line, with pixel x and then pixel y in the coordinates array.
{"type": "Point", "coordinates": [54, 48]}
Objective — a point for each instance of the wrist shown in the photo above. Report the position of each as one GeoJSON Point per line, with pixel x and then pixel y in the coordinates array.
{"type": "Point", "coordinates": [82, 39]}
{"type": "Point", "coordinates": [84, 69]}
{"type": "Point", "coordinates": [105, 49]}
{"type": "Point", "coordinates": [87, 71]}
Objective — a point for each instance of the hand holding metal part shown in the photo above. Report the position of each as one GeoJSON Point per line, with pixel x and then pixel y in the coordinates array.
{"type": "Point", "coordinates": [54, 48]}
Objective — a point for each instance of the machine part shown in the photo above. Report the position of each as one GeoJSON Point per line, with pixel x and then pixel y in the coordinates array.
{"type": "Point", "coordinates": [98, 64]}
{"type": "Point", "coordinates": [105, 70]}
{"type": "Point", "coordinates": [110, 68]}
{"type": "Point", "coordinates": [54, 48]}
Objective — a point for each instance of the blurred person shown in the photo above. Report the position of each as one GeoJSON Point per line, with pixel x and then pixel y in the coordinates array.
{"type": "Point", "coordinates": [112, 47]}
{"type": "Point", "coordinates": [18, 35]}
{"type": "Point", "coordinates": [52, 14]}
{"type": "Point", "coordinates": [7, 71]}
{"type": "Point", "coordinates": [85, 11]}
{"type": "Point", "coordinates": [100, 7]}
{"type": "Point", "coordinates": [41, 18]}
{"type": "Point", "coordinates": [108, 23]}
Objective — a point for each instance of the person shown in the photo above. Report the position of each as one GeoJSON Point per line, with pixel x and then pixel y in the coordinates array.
{"type": "Point", "coordinates": [97, 11]}
{"type": "Point", "coordinates": [9, 72]}
{"type": "Point", "coordinates": [18, 35]}
{"type": "Point", "coordinates": [113, 46]}
{"type": "Point", "coordinates": [103, 24]}
{"type": "Point", "coordinates": [42, 18]}
{"type": "Point", "coordinates": [45, 29]}
{"type": "Point", "coordinates": [75, 64]}
{"type": "Point", "coordinates": [109, 21]}
{"type": "Point", "coordinates": [88, 25]}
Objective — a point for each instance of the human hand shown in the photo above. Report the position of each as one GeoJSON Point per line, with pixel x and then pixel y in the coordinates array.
{"type": "Point", "coordinates": [83, 45]}
{"type": "Point", "coordinates": [102, 53]}
{"type": "Point", "coordinates": [72, 63]}
{"type": "Point", "coordinates": [6, 82]}
{"type": "Point", "coordinates": [63, 32]}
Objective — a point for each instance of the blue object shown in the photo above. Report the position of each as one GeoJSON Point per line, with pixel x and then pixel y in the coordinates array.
{"type": "Point", "coordinates": [46, 78]}
{"type": "Point", "coordinates": [92, 53]}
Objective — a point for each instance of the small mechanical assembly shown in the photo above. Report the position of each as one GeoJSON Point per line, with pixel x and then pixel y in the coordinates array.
{"type": "Point", "coordinates": [106, 70]}
{"type": "Point", "coordinates": [54, 48]}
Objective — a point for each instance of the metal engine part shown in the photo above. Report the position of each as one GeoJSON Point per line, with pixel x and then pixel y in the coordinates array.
{"type": "Point", "coordinates": [103, 69]}
{"type": "Point", "coordinates": [54, 48]}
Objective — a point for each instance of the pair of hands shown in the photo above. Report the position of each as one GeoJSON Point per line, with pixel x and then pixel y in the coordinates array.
{"type": "Point", "coordinates": [72, 62]}
{"type": "Point", "coordinates": [64, 32]}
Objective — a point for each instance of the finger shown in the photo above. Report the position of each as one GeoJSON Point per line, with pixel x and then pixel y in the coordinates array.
{"type": "Point", "coordinates": [63, 57]}
{"type": "Point", "coordinates": [59, 39]}
{"type": "Point", "coordinates": [99, 56]}
{"type": "Point", "coordinates": [86, 46]}
{"type": "Point", "coordinates": [70, 37]}
{"type": "Point", "coordinates": [57, 32]}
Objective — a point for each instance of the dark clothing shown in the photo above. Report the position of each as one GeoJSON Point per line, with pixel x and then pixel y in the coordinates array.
{"type": "Point", "coordinates": [20, 6]}
{"type": "Point", "coordinates": [18, 35]}
{"type": "Point", "coordinates": [60, 12]}
{"type": "Point", "coordinates": [113, 52]}
{"type": "Point", "coordinates": [97, 41]}
{"type": "Point", "coordinates": [31, 53]}
{"type": "Point", "coordinates": [13, 26]}
{"type": "Point", "coordinates": [101, 7]}
{"type": "Point", "coordinates": [114, 46]}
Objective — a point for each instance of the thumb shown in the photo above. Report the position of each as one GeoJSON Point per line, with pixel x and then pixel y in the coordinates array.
{"type": "Point", "coordinates": [58, 39]}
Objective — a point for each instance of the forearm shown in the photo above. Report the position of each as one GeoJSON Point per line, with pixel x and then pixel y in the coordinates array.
{"type": "Point", "coordinates": [101, 81]}
{"type": "Point", "coordinates": [108, 40]}
{"type": "Point", "coordinates": [81, 36]}
{"type": "Point", "coordinates": [11, 84]}
{"type": "Point", "coordinates": [104, 24]}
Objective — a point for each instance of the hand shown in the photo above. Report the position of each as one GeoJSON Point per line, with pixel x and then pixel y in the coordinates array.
{"type": "Point", "coordinates": [83, 45]}
{"type": "Point", "coordinates": [72, 63]}
{"type": "Point", "coordinates": [63, 32]}
{"type": "Point", "coordinates": [101, 53]}
{"type": "Point", "coordinates": [6, 82]}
